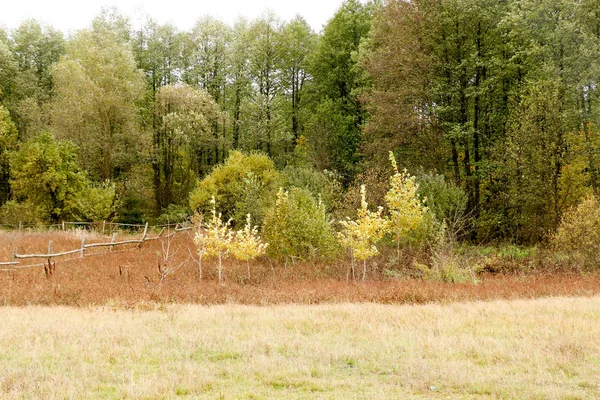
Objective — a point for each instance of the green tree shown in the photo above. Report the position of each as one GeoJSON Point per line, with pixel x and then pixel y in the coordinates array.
{"type": "Point", "coordinates": [8, 141]}
{"type": "Point", "coordinates": [45, 173]}
{"type": "Point", "coordinates": [97, 87]}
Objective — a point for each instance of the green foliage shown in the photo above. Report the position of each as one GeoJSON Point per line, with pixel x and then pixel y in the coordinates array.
{"type": "Point", "coordinates": [244, 183]}
{"type": "Point", "coordinates": [8, 141]}
{"type": "Point", "coordinates": [96, 202]}
{"type": "Point", "coordinates": [14, 213]}
{"type": "Point", "coordinates": [579, 233]}
{"type": "Point", "coordinates": [174, 214]}
{"type": "Point", "coordinates": [45, 173]}
{"type": "Point", "coordinates": [445, 201]}
{"type": "Point", "coordinates": [298, 226]}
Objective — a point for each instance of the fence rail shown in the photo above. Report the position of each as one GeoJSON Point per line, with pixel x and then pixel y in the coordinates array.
{"type": "Point", "coordinates": [48, 268]}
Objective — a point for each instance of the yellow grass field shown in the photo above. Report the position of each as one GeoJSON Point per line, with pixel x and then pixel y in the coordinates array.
{"type": "Point", "coordinates": [519, 349]}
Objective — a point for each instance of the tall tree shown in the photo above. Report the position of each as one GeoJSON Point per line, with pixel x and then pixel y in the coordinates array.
{"type": "Point", "coordinates": [97, 88]}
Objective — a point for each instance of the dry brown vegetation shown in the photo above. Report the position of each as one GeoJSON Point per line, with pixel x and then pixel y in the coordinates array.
{"type": "Point", "coordinates": [130, 275]}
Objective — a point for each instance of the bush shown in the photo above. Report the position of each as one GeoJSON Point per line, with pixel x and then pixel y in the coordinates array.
{"type": "Point", "coordinates": [446, 201]}
{"type": "Point", "coordinates": [446, 265]}
{"type": "Point", "coordinates": [243, 184]}
{"type": "Point", "coordinates": [322, 185]}
{"type": "Point", "coordinates": [578, 234]}
{"type": "Point", "coordinates": [298, 226]}
{"type": "Point", "coordinates": [12, 213]}
{"type": "Point", "coordinates": [96, 202]}
{"type": "Point", "coordinates": [174, 214]}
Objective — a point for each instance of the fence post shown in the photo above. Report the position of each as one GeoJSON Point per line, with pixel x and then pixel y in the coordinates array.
{"type": "Point", "coordinates": [82, 247]}
{"type": "Point", "coordinates": [14, 254]}
{"type": "Point", "coordinates": [63, 226]}
{"type": "Point", "coordinates": [103, 226]}
{"type": "Point", "coordinates": [114, 239]}
{"type": "Point", "coordinates": [49, 270]}
{"type": "Point", "coordinates": [20, 226]}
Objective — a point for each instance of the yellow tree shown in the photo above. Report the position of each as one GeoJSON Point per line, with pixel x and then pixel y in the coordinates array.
{"type": "Point", "coordinates": [407, 212]}
{"type": "Point", "coordinates": [361, 235]}
{"type": "Point", "coordinates": [215, 239]}
{"type": "Point", "coordinates": [248, 245]}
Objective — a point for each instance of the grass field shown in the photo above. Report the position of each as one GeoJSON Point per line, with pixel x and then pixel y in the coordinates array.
{"type": "Point", "coordinates": [521, 349]}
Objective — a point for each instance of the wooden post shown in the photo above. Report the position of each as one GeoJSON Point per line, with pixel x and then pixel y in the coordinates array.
{"type": "Point", "coordinates": [82, 247]}
{"type": "Point", "coordinates": [63, 226]}
{"type": "Point", "coordinates": [20, 226]}
{"type": "Point", "coordinates": [49, 271]}
{"type": "Point", "coordinates": [14, 254]}
{"type": "Point", "coordinates": [143, 236]}
{"type": "Point", "coordinates": [114, 239]}
{"type": "Point", "coordinates": [103, 226]}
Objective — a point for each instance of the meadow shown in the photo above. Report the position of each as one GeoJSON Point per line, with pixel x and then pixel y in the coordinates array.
{"type": "Point", "coordinates": [519, 349]}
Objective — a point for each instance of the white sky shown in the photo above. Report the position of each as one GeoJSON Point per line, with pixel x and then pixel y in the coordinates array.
{"type": "Point", "coordinates": [71, 15]}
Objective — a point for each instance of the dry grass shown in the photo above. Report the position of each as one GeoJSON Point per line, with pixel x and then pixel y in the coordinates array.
{"type": "Point", "coordinates": [131, 275]}
{"type": "Point", "coordinates": [521, 349]}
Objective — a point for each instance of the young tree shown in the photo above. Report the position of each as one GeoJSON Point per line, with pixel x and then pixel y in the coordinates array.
{"type": "Point", "coordinates": [247, 244]}
{"type": "Point", "coordinates": [215, 239]}
{"type": "Point", "coordinates": [407, 212]}
{"type": "Point", "coordinates": [361, 235]}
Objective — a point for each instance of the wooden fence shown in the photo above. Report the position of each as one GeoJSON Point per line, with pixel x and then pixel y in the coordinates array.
{"type": "Point", "coordinates": [48, 265]}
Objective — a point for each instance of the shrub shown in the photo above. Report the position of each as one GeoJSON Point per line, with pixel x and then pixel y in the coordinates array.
{"type": "Point", "coordinates": [446, 202]}
{"type": "Point", "coordinates": [298, 226]}
{"type": "Point", "coordinates": [174, 214]}
{"type": "Point", "coordinates": [448, 266]}
{"type": "Point", "coordinates": [243, 184]}
{"type": "Point", "coordinates": [12, 213]}
{"type": "Point", "coordinates": [578, 234]}
{"type": "Point", "coordinates": [96, 202]}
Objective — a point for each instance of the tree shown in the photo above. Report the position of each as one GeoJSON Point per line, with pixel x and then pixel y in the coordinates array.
{"type": "Point", "coordinates": [45, 172]}
{"type": "Point", "coordinates": [215, 240]}
{"type": "Point", "coordinates": [97, 86]}
{"type": "Point", "coordinates": [407, 213]}
{"type": "Point", "coordinates": [247, 244]}
{"type": "Point", "coordinates": [186, 132]}
{"type": "Point", "coordinates": [361, 235]}
{"type": "Point", "coordinates": [8, 141]}
{"type": "Point", "coordinates": [338, 82]}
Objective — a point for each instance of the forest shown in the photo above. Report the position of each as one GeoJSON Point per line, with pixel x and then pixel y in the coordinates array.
{"type": "Point", "coordinates": [490, 109]}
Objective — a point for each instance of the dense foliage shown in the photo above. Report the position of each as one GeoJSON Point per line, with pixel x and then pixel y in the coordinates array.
{"type": "Point", "coordinates": [491, 105]}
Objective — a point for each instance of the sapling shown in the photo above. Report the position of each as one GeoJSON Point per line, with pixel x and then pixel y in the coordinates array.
{"type": "Point", "coordinates": [362, 234]}
{"type": "Point", "coordinates": [248, 245]}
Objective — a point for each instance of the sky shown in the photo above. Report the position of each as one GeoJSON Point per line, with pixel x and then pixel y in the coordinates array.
{"type": "Point", "coordinates": [71, 15]}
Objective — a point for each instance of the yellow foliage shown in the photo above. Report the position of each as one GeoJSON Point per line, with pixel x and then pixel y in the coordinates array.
{"type": "Point", "coordinates": [248, 245]}
{"type": "Point", "coordinates": [361, 235]}
{"type": "Point", "coordinates": [407, 212]}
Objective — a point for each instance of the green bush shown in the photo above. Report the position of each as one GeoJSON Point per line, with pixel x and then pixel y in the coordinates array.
{"type": "Point", "coordinates": [446, 265]}
{"type": "Point", "coordinates": [243, 184]}
{"type": "Point", "coordinates": [298, 226]}
{"type": "Point", "coordinates": [322, 185]}
{"type": "Point", "coordinates": [578, 235]}
{"type": "Point", "coordinates": [12, 213]}
{"type": "Point", "coordinates": [96, 202]}
{"type": "Point", "coordinates": [174, 214]}
{"type": "Point", "coordinates": [446, 201]}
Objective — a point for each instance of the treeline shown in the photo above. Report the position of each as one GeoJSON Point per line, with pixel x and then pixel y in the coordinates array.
{"type": "Point", "coordinates": [493, 102]}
